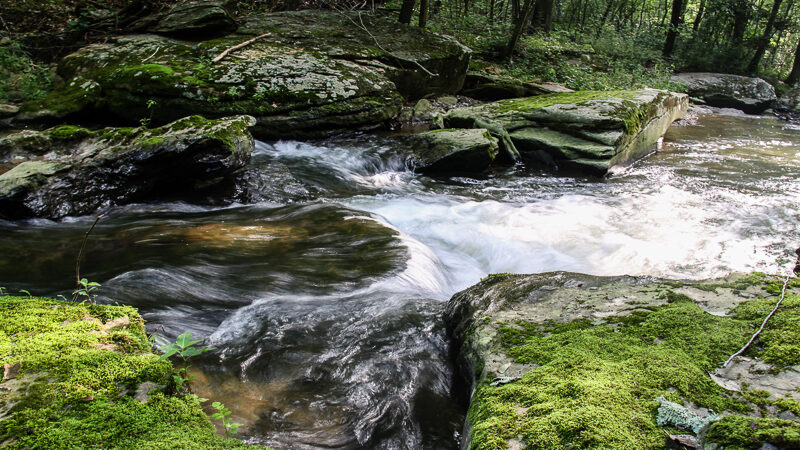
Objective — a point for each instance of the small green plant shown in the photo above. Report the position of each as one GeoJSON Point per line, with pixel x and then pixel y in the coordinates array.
{"type": "Point", "coordinates": [2, 290]}
{"type": "Point", "coordinates": [222, 414]}
{"type": "Point", "coordinates": [185, 347]}
{"type": "Point", "coordinates": [147, 120]}
{"type": "Point", "coordinates": [26, 292]}
{"type": "Point", "coordinates": [85, 291]}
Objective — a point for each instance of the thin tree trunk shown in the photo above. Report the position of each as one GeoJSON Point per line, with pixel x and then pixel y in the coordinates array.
{"type": "Point", "coordinates": [794, 76]}
{"type": "Point", "coordinates": [700, 10]}
{"type": "Point", "coordinates": [519, 27]}
{"type": "Point", "coordinates": [542, 16]}
{"type": "Point", "coordinates": [423, 13]}
{"type": "Point", "coordinates": [406, 11]}
{"type": "Point", "coordinates": [675, 22]}
{"type": "Point", "coordinates": [764, 41]}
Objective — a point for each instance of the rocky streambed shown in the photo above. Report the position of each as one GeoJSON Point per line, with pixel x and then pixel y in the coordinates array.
{"type": "Point", "coordinates": [321, 270]}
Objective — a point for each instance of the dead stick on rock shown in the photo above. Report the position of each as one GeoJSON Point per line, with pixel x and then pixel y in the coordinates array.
{"type": "Point", "coordinates": [763, 324]}
{"type": "Point", "coordinates": [80, 253]}
{"type": "Point", "coordinates": [237, 47]}
{"type": "Point", "coordinates": [154, 54]}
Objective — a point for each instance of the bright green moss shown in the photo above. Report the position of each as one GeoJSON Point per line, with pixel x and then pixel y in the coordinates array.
{"type": "Point", "coordinates": [753, 279]}
{"type": "Point", "coordinates": [529, 104]}
{"type": "Point", "coordinates": [594, 386]}
{"type": "Point", "coordinates": [68, 132]}
{"type": "Point", "coordinates": [75, 392]}
{"type": "Point", "coordinates": [737, 432]}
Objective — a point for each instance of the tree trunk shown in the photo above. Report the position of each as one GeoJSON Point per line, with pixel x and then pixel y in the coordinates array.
{"type": "Point", "coordinates": [519, 26]}
{"type": "Point", "coordinates": [794, 76]}
{"type": "Point", "coordinates": [740, 19]}
{"type": "Point", "coordinates": [542, 16]}
{"type": "Point", "coordinates": [700, 10]}
{"type": "Point", "coordinates": [423, 13]}
{"type": "Point", "coordinates": [406, 11]}
{"type": "Point", "coordinates": [675, 22]}
{"type": "Point", "coordinates": [764, 41]}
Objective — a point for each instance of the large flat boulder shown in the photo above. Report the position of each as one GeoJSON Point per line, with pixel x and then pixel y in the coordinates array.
{"type": "Point", "coordinates": [751, 95]}
{"type": "Point", "coordinates": [69, 170]}
{"type": "Point", "coordinates": [307, 73]}
{"type": "Point", "coordinates": [565, 360]}
{"type": "Point", "coordinates": [586, 131]}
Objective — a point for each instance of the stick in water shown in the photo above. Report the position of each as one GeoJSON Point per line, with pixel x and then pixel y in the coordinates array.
{"type": "Point", "coordinates": [80, 253]}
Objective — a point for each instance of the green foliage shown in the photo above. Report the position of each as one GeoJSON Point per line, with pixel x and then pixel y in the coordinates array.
{"type": "Point", "coordinates": [737, 432]}
{"type": "Point", "coordinates": [145, 121]}
{"type": "Point", "coordinates": [185, 348]}
{"type": "Point", "coordinates": [21, 78]}
{"type": "Point", "coordinates": [222, 414]}
{"type": "Point", "coordinates": [85, 293]}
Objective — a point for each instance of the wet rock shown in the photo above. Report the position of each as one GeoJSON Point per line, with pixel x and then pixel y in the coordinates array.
{"type": "Point", "coordinates": [789, 101]}
{"type": "Point", "coordinates": [199, 18]}
{"type": "Point", "coordinates": [587, 131]}
{"type": "Point", "coordinates": [307, 74]}
{"type": "Point", "coordinates": [597, 356]}
{"type": "Point", "coordinates": [453, 151]}
{"type": "Point", "coordinates": [751, 95]}
{"type": "Point", "coordinates": [78, 171]}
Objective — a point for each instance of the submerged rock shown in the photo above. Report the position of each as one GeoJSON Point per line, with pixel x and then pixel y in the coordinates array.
{"type": "Point", "coordinates": [588, 131]}
{"type": "Point", "coordinates": [751, 95]}
{"type": "Point", "coordinates": [565, 360]}
{"type": "Point", "coordinates": [69, 170]}
{"type": "Point", "coordinates": [306, 73]}
{"type": "Point", "coordinates": [453, 151]}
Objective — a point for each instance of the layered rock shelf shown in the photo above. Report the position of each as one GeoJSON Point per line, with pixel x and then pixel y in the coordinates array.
{"type": "Point", "coordinates": [587, 131]}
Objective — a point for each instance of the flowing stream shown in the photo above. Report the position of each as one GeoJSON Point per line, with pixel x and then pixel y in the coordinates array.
{"type": "Point", "coordinates": [322, 288]}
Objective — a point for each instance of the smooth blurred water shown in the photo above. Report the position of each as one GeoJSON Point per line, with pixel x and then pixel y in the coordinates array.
{"type": "Point", "coordinates": [324, 295]}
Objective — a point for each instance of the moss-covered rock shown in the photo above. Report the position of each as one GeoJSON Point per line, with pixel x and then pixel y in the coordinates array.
{"type": "Point", "coordinates": [483, 86]}
{"type": "Point", "coordinates": [563, 360]}
{"type": "Point", "coordinates": [308, 73]}
{"type": "Point", "coordinates": [77, 378]}
{"type": "Point", "coordinates": [587, 131]}
{"type": "Point", "coordinates": [751, 95]}
{"type": "Point", "coordinates": [69, 170]}
{"type": "Point", "coordinates": [790, 101]}
{"type": "Point", "coordinates": [452, 151]}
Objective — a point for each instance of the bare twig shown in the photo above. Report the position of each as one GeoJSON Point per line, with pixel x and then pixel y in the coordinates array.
{"type": "Point", "coordinates": [763, 324]}
{"type": "Point", "coordinates": [237, 47]}
{"type": "Point", "coordinates": [154, 54]}
{"type": "Point", "coordinates": [80, 253]}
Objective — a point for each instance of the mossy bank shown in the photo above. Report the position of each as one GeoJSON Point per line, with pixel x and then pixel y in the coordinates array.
{"type": "Point", "coordinates": [84, 376]}
{"type": "Point", "coordinates": [564, 360]}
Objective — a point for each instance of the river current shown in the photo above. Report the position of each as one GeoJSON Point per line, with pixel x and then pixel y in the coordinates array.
{"type": "Point", "coordinates": [322, 286]}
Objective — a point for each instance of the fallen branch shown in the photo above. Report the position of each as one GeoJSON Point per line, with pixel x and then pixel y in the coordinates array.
{"type": "Point", "coordinates": [154, 54]}
{"type": "Point", "coordinates": [763, 324]}
{"type": "Point", "coordinates": [237, 47]}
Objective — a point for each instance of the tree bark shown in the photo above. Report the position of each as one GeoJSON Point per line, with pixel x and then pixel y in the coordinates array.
{"type": "Point", "coordinates": [542, 16]}
{"type": "Point", "coordinates": [700, 10]}
{"type": "Point", "coordinates": [423, 13]}
{"type": "Point", "coordinates": [675, 22]}
{"type": "Point", "coordinates": [794, 76]}
{"type": "Point", "coordinates": [519, 27]}
{"type": "Point", "coordinates": [764, 41]}
{"type": "Point", "coordinates": [740, 18]}
{"type": "Point", "coordinates": [406, 11]}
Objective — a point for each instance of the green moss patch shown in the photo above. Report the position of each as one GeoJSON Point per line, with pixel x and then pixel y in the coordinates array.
{"type": "Point", "coordinates": [77, 377]}
{"type": "Point", "coordinates": [595, 385]}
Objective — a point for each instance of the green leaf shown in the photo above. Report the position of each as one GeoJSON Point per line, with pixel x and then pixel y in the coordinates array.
{"type": "Point", "coordinates": [185, 340]}
{"type": "Point", "coordinates": [217, 405]}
